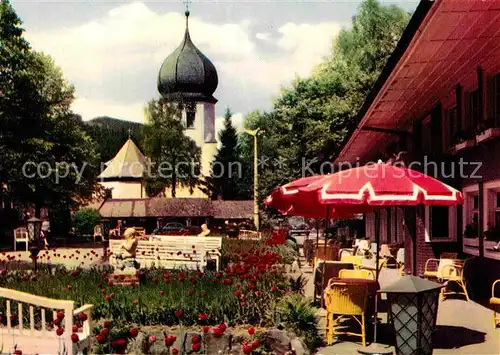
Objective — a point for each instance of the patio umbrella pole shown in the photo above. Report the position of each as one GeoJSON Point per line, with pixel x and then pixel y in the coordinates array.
{"type": "Point", "coordinates": [326, 226]}
{"type": "Point", "coordinates": [377, 242]}
{"type": "Point", "coordinates": [317, 232]}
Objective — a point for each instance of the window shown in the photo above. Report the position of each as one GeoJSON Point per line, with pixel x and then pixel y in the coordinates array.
{"type": "Point", "coordinates": [440, 223]}
{"type": "Point", "coordinates": [370, 226]}
{"type": "Point", "coordinates": [190, 119]}
{"type": "Point", "coordinates": [453, 126]}
{"type": "Point", "coordinates": [470, 210]}
{"type": "Point", "coordinates": [426, 135]}
{"type": "Point", "coordinates": [493, 94]}
{"type": "Point", "coordinates": [472, 110]}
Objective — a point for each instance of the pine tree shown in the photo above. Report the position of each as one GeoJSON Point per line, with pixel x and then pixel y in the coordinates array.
{"type": "Point", "coordinates": [227, 171]}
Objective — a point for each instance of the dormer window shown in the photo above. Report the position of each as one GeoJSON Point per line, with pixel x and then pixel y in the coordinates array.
{"type": "Point", "coordinates": [190, 119]}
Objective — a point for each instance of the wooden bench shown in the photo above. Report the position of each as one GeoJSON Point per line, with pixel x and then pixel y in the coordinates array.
{"type": "Point", "coordinates": [36, 335]}
{"type": "Point", "coordinates": [173, 252]}
{"type": "Point", "coordinates": [249, 235]}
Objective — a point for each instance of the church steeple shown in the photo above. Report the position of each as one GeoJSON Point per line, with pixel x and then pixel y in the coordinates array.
{"type": "Point", "coordinates": [187, 74]}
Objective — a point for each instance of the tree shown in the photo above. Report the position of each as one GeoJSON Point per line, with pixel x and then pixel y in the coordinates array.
{"type": "Point", "coordinates": [226, 172]}
{"type": "Point", "coordinates": [311, 118]}
{"type": "Point", "coordinates": [175, 158]}
{"type": "Point", "coordinates": [58, 163]}
{"type": "Point", "coordinates": [39, 131]}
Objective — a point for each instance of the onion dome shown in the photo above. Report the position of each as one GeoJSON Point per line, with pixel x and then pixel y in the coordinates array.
{"type": "Point", "coordinates": [187, 74]}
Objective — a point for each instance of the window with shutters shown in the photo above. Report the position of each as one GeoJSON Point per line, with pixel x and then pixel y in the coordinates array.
{"type": "Point", "coordinates": [370, 226]}
{"type": "Point", "coordinates": [426, 135]}
{"type": "Point", "coordinates": [440, 223]}
{"type": "Point", "coordinates": [472, 111]}
{"type": "Point", "coordinates": [493, 100]}
{"type": "Point", "coordinates": [453, 127]}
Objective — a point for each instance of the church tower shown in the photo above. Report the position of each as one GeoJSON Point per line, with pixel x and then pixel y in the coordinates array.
{"type": "Point", "coordinates": [189, 78]}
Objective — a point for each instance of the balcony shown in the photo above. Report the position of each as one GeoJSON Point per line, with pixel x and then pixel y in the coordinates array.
{"type": "Point", "coordinates": [463, 140]}
{"type": "Point", "coordinates": [487, 131]}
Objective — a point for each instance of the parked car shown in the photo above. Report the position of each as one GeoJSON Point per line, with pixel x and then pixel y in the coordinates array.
{"type": "Point", "coordinates": [173, 227]}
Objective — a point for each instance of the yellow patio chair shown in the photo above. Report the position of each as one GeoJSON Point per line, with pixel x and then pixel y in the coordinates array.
{"type": "Point", "coordinates": [454, 273]}
{"type": "Point", "coordinates": [345, 300]}
{"type": "Point", "coordinates": [433, 268]}
{"type": "Point", "coordinates": [356, 274]}
{"type": "Point", "coordinates": [495, 303]}
{"type": "Point", "coordinates": [355, 260]}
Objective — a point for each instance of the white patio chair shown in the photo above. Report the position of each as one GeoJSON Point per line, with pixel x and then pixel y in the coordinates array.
{"type": "Point", "coordinates": [21, 236]}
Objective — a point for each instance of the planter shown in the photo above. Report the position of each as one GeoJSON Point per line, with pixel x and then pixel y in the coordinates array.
{"type": "Point", "coordinates": [490, 133]}
{"type": "Point", "coordinates": [489, 251]}
{"type": "Point", "coordinates": [463, 145]}
{"type": "Point", "coordinates": [471, 246]}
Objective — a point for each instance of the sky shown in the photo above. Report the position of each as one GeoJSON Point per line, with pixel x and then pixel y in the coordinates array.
{"type": "Point", "coordinates": [111, 51]}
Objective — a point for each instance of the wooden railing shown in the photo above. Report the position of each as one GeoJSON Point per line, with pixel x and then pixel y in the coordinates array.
{"type": "Point", "coordinates": [29, 324]}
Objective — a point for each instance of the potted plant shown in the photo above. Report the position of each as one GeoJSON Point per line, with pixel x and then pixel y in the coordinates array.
{"type": "Point", "coordinates": [471, 238]}
{"type": "Point", "coordinates": [492, 242]}
{"type": "Point", "coordinates": [487, 130]}
{"type": "Point", "coordinates": [463, 140]}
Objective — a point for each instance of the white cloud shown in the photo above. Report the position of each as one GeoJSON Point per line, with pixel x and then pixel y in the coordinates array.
{"type": "Point", "coordinates": [263, 36]}
{"type": "Point", "coordinates": [91, 108]}
{"type": "Point", "coordinates": [108, 54]}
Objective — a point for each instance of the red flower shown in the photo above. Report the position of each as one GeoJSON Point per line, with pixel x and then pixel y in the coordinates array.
{"type": "Point", "coordinates": [251, 330]}
{"type": "Point", "coordinates": [82, 317]}
{"type": "Point", "coordinates": [247, 349]}
{"type": "Point", "coordinates": [195, 339]}
{"type": "Point", "coordinates": [107, 324]}
{"type": "Point", "coordinates": [119, 344]}
{"type": "Point", "coordinates": [223, 326]}
{"type": "Point", "coordinates": [218, 332]}
{"type": "Point", "coordinates": [274, 289]}
{"type": "Point", "coordinates": [155, 280]}
{"type": "Point", "coordinates": [110, 284]}
{"type": "Point", "coordinates": [206, 329]}
{"type": "Point", "coordinates": [104, 332]}
{"type": "Point", "coordinates": [203, 293]}
{"type": "Point", "coordinates": [175, 351]}
{"type": "Point", "coordinates": [179, 313]}
{"type": "Point", "coordinates": [60, 331]}
{"type": "Point", "coordinates": [101, 339]}
{"type": "Point", "coordinates": [75, 338]}
{"type": "Point", "coordinates": [74, 329]}
{"type": "Point", "coordinates": [237, 293]}
{"type": "Point", "coordinates": [255, 344]}
{"type": "Point", "coordinates": [60, 315]}
{"type": "Point", "coordinates": [133, 332]}
{"type": "Point", "coordinates": [56, 321]}
{"type": "Point", "coordinates": [196, 346]}
{"type": "Point", "coordinates": [162, 292]}
{"type": "Point", "coordinates": [152, 339]}
{"type": "Point", "coordinates": [203, 316]}
{"type": "Point", "coordinates": [191, 292]}
{"type": "Point", "coordinates": [169, 341]}
{"type": "Point", "coordinates": [17, 352]}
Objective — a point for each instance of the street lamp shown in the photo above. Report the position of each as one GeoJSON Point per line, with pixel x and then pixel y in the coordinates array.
{"type": "Point", "coordinates": [254, 133]}
{"type": "Point", "coordinates": [34, 227]}
{"type": "Point", "coordinates": [413, 311]}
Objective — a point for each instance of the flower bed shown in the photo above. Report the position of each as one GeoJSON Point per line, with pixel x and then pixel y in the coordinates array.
{"type": "Point", "coordinates": [246, 292]}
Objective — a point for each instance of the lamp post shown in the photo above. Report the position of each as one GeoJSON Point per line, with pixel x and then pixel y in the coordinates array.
{"type": "Point", "coordinates": [413, 306]}
{"type": "Point", "coordinates": [34, 227]}
{"type": "Point", "coordinates": [254, 134]}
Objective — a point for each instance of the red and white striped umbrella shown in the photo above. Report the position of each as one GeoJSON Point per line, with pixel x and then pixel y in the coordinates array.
{"type": "Point", "coordinates": [380, 185]}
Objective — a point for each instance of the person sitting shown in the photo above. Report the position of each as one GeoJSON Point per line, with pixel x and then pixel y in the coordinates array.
{"type": "Point", "coordinates": [204, 231]}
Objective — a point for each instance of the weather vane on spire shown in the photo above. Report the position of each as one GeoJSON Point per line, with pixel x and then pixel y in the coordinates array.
{"type": "Point", "coordinates": [187, 3]}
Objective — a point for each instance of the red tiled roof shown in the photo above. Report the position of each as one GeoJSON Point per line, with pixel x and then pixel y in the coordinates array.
{"type": "Point", "coordinates": [176, 207]}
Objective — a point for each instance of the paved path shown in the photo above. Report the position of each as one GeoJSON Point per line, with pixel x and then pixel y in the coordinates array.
{"type": "Point", "coordinates": [463, 327]}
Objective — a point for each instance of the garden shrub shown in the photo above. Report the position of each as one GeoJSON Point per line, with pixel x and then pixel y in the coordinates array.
{"type": "Point", "coordinates": [296, 314]}
{"type": "Point", "coordinates": [85, 219]}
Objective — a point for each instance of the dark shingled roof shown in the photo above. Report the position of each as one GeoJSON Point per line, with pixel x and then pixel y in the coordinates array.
{"type": "Point", "coordinates": [187, 73]}
{"type": "Point", "coordinates": [176, 207]}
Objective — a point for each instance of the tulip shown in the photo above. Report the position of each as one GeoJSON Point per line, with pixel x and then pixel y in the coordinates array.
{"type": "Point", "coordinates": [196, 346]}
{"type": "Point", "coordinates": [179, 313]}
{"type": "Point", "coordinates": [60, 331]}
{"type": "Point", "coordinates": [75, 338]}
{"type": "Point", "coordinates": [251, 330]}
{"type": "Point", "coordinates": [134, 332]}
{"type": "Point", "coordinates": [175, 351]}
{"type": "Point", "coordinates": [152, 339]}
